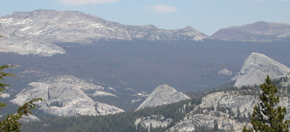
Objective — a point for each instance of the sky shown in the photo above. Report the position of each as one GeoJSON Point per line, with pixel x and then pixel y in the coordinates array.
{"type": "Point", "coordinates": [207, 16]}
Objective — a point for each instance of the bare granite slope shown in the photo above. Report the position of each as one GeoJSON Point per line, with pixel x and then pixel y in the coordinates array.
{"type": "Point", "coordinates": [255, 69]}
{"type": "Point", "coordinates": [230, 109]}
{"type": "Point", "coordinates": [65, 96]}
{"type": "Point", "coordinates": [163, 94]}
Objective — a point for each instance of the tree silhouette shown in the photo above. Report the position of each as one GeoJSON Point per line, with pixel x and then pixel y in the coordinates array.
{"type": "Point", "coordinates": [267, 115]}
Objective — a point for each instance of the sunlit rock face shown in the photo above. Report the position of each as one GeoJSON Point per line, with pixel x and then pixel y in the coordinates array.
{"type": "Point", "coordinates": [227, 109]}
{"type": "Point", "coordinates": [37, 32]}
{"type": "Point", "coordinates": [153, 121]}
{"type": "Point", "coordinates": [65, 96]}
{"type": "Point", "coordinates": [256, 68]}
{"type": "Point", "coordinates": [163, 94]}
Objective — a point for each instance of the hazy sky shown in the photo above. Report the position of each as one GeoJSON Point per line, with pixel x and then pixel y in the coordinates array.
{"type": "Point", "coordinates": [206, 16]}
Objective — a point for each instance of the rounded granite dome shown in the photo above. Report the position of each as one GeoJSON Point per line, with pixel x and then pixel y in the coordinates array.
{"type": "Point", "coordinates": [256, 68]}
{"type": "Point", "coordinates": [163, 94]}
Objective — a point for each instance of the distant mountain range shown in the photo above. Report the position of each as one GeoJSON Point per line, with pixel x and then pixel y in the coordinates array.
{"type": "Point", "coordinates": [259, 31]}
{"type": "Point", "coordinates": [37, 32]}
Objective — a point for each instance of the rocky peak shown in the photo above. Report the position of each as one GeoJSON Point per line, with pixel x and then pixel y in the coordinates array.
{"type": "Point", "coordinates": [188, 28]}
{"type": "Point", "coordinates": [148, 27]}
{"type": "Point", "coordinates": [164, 88]}
{"type": "Point", "coordinates": [255, 69]}
{"type": "Point", "coordinates": [163, 94]}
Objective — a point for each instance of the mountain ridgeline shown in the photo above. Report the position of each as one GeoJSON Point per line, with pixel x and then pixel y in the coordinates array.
{"type": "Point", "coordinates": [258, 31]}
{"type": "Point", "coordinates": [36, 32]}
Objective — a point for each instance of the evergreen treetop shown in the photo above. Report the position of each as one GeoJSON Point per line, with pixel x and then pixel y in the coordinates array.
{"type": "Point", "coordinates": [267, 115]}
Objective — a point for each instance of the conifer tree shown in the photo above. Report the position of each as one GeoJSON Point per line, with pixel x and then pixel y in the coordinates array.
{"type": "Point", "coordinates": [267, 115]}
{"type": "Point", "coordinates": [10, 123]}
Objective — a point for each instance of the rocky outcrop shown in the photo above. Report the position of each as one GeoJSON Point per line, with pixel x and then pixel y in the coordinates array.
{"type": "Point", "coordinates": [198, 121]}
{"type": "Point", "coordinates": [163, 94]}
{"type": "Point", "coordinates": [255, 69]}
{"type": "Point", "coordinates": [5, 95]}
{"type": "Point", "coordinates": [225, 72]}
{"type": "Point", "coordinates": [65, 96]}
{"type": "Point", "coordinates": [229, 110]}
{"type": "Point", "coordinates": [103, 93]}
{"type": "Point", "coordinates": [106, 109]}
{"type": "Point", "coordinates": [153, 121]}
{"type": "Point", "coordinates": [259, 31]}
{"type": "Point", "coordinates": [36, 32]}
{"type": "Point", "coordinates": [25, 46]}
{"type": "Point", "coordinates": [285, 81]}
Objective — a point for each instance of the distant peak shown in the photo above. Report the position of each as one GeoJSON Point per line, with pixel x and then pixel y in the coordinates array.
{"type": "Point", "coordinates": [258, 55]}
{"type": "Point", "coordinates": [152, 26]}
{"type": "Point", "coordinates": [255, 53]}
{"type": "Point", "coordinates": [188, 28]}
{"type": "Point", "coordinates": [42, 10]}
{"type": "Point", "coordinates": [165, 86]}
{"type": "Point", "coordinates": [260, 22]}
{"type": "Point", "coordinates": [163, 94]}
{"type": "Point", "coordinates": [148, 26]}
